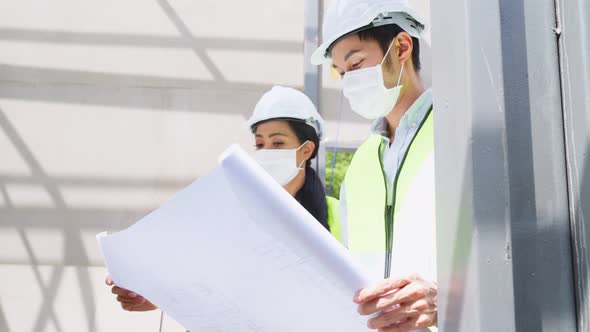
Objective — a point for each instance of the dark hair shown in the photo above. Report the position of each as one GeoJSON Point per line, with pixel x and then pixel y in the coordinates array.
{"type": "Point", "coordinates": [312, 195]}
{"type": "Point", "coordinates": [384, 35]}
{"type": "Point", "coordinates": [305, 132]}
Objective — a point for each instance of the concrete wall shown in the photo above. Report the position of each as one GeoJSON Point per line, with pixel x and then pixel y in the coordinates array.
{"type": "Point", "coordinates": [107, 108]}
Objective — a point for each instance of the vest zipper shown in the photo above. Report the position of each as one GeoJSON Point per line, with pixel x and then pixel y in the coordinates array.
{"type": "Point", "coordinates": [388, 219]}
{"type": "Point", "coordinates": [389, 207]}
{"type": "Point", "coordinates": [388, 239]}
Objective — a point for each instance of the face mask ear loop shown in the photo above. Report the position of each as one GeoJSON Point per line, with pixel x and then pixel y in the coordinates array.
{"type": "Point", "coordinates": [302, 145]}
{"type": "Point", "coordinates": [385, 57]}
{"type": "Point", "coordinates": [387, 53]}
{"type": "Point", "coordinates": [399, 80]}
{"type": "Point", "coordinates": [303, 161]}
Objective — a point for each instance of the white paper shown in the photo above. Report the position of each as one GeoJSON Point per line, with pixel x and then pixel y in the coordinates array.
{"type": "Point", "coordinates": [235, 252]}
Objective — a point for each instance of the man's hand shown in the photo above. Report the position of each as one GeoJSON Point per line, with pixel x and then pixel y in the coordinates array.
{"type": "Point", "coordinates": [403, 304]}
{"type": "Point", "coordinates": [129, 300]}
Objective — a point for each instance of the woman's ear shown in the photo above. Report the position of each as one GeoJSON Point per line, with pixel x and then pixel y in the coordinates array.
{"type": "Point", "coordinates": [308, 150]}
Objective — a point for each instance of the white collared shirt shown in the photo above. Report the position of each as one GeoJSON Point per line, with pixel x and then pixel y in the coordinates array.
{"type": "Point", "coordinates": [405, 132]}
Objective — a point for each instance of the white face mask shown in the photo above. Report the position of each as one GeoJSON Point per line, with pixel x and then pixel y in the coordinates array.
{"type": "Point", "coordinates": [366, 91]}
{"type": "Point", "coordinates": [280, 164]}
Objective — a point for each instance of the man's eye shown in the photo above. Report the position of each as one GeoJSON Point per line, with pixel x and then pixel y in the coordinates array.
{"type": "Point", "coordinates": [258, 146]}
{"type": "Point", "coordinates": [277, 143]}
{"type": "Point", "coordinates": [356, 65]}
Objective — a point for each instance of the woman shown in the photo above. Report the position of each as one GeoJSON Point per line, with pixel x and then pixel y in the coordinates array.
{"type": "Point", "coordinates": [287, 131]}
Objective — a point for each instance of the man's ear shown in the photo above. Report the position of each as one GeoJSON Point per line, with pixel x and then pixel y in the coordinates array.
{"type": "Point", "coordinates": [404, 47]}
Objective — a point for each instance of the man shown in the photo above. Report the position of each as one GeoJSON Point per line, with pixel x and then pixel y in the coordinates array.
{"type": "Point", "coordinates": [387, 200]}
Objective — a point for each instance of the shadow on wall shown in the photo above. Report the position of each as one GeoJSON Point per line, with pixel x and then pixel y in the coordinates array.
{"type": "Point", "coordinates": [152, 91]}
{"type": "Point", "coordinates": [3, 320]}
{"type": "Point", "coordinates": [104, 89]}
{"type": "Point", "coordinates": [156, 92]}
{"type": "Point", "coordinates": [73, 245]}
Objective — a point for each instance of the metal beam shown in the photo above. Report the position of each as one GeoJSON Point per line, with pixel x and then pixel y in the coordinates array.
{"type": "Point", "coordinates": [504, 254]}
{"type": "Point", "coordinates": [574, 16]}
{"type": "Point", "coordinates": [311, 79]}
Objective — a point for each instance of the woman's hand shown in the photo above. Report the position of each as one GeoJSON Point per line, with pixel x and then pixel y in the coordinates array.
{"type": "Point", "coordinates": [403, 304]}
{"type": "Point", "coordinates": [129, 300]}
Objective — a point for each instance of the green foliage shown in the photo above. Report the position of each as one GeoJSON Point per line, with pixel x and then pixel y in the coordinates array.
{"type": "Point", "coordinates": [342, 161]}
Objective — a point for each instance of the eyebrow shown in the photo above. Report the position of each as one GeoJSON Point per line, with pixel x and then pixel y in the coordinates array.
{"type": "Point", "coordinates": [273, 135]}
{"type": "Point", "coordinates": [348, 55]}
{"type": "Point", "coordinates": [351, 53]}
{"type": "Point", "coordinates": [277, 134]}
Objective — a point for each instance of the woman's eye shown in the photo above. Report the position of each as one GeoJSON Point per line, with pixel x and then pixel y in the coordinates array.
{"type": "Point", "coordinates": [277, 144]}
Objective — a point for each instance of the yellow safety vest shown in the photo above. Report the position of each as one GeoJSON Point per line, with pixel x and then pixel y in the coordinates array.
{"type": "Point", "coordinates": [399, 238]}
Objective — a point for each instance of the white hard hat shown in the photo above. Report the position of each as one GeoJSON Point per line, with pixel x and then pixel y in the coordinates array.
{"type": "Point", "coordinates": [282, 103]}
{"type": "Point", "coordinates": [347, 16]}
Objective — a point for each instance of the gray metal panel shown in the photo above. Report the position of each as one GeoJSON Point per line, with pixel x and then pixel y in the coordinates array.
{"type": "Point", "coordinates": [311, 82]}
{"type": "Point", "coordinates": [311, 79]}
{"type": "Point", "coordinates": [575, 59]}
{"type": "Point", "coordinates": [504, 256]}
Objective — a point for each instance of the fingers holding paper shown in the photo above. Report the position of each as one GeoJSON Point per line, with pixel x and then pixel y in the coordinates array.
{"type": "Point", "coordinates": [129, 300]}
{"type": "Point", "coordinates": [401, 304]}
